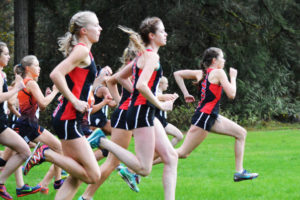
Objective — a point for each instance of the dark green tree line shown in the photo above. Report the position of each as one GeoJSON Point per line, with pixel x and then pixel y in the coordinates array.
{"type": "Point", "coordinates": [260, 38]}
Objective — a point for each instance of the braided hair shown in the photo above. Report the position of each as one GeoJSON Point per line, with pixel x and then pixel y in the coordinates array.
{"type": "Point", "coordinates": [207, 59]}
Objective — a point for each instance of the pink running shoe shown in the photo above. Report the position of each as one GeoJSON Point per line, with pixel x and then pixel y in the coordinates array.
{"type": "Point", "coordinates": [36, 158]}
{"type": "Point", "coordinates": [3, 193]}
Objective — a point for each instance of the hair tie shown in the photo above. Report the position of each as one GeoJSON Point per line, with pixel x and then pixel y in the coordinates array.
{"type": "Point", "coordinates": [72, 28]}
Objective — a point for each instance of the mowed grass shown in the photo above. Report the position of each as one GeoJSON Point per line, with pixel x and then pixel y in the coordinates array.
{"type": "Point", "coordinates": [208, 172]}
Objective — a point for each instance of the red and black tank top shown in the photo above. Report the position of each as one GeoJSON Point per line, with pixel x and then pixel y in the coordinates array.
{"type": "Point", "coordinates": [28, 105]}
{"type": "Point", "coordinates": [4, 89]}
{"type": "Point", "coordinates": [79, 81]}
{"type": "Point", "coordinates": [125, 99]}
{"type": "Point", "coordinates": [137, 98]}
{"type": "Point", "coordinates": [210, 95]}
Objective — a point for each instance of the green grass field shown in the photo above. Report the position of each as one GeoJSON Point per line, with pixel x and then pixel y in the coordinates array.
{"type": "Point", "coordinates": [208, 172]}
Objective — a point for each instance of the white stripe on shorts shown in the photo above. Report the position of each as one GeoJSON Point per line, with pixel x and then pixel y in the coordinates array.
{"type": "Point", "coordinates": [76, 130]}
{"type": "Point", "coordinates": [137, 116]}
{"type": "Point", "coordinates": [147, 117]}
{"type": "Point", "coordinates": [206, 122]}
{"type": "Point", "coordinates": [198, 119]}
{"type": "Point", "coordinates": [66, 129]}
{"type": "Point", "coordinates": [120, 114]}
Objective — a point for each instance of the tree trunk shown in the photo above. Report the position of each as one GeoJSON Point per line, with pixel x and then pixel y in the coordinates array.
{"type": "Point", "coordinates": [21, 29]}
{"type": "Point", "coordinates": [31, 26]}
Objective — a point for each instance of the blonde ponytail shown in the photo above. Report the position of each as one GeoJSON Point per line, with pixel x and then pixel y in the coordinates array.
{"type": "Point", "coordinates": [67, 42]}
{"type": "Point", "coordinates": [135, 38]}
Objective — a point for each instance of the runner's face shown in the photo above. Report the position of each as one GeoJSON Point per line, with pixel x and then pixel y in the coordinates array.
{"type": "Point", "coordinates": [220, 61]}
{"type": "Point", "coordinates": [34, 69]}
{"type": "Point", "coordinates": [93, 29]}
{"type": "Point", "coordinates": [164, 85]}
{"type": "Point", "coordinates": [160, 36]}
{"type": "Point", "coordinates": [4, 57]}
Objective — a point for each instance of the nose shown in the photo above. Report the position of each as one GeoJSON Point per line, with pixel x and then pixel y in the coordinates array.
{"type": "Point", "coordinates": [100, 28]}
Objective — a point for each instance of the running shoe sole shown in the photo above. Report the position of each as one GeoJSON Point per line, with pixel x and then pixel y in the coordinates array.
{"type": "Point", "coordinates": [32, 192]}
{"type": "Point", "coordinates": [238, 179]}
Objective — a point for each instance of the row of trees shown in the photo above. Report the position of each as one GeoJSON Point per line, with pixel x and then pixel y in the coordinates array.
{"type": "Point", "coordinates": [259, 37]}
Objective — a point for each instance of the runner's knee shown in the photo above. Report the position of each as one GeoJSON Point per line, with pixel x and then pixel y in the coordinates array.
{"type": "Point", "coordinates": [94, 176]}
{"type": "Point", "coordinates": [182, 155]}
{"type": "Point", "coordinates": [144, 171]}
{"type": "Point", "coordinates": [25, 153]}
{"type": "Point", "coordinates": [242, 134]}
{"type": "Point", "coordinates": [180, 137]}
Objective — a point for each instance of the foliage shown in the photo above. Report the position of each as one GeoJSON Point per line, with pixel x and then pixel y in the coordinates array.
{"type": "Point", "coordinates": [7, 29]}
{"type": "Point", "coordinates": [260, 38]}
{"type": "Point", "coordinates": [181, 116]}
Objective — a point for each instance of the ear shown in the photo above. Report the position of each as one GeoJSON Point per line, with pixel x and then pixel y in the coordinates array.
{"type": "Point", "coordinates": [26, 68]}
{"type": "Point", "coordinates": [151, 36]}
{"type": "Point", "coordinates": [83, 31]}
{"type": "Point", "coordinates": [213, 60]}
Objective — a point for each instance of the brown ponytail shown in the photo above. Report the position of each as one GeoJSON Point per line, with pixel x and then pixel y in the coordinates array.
{"type": "Point", "coordinates": [208, 56]}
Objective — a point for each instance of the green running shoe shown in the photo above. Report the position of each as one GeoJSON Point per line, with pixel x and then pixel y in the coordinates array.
{"type": "Point", "coordinates": [129, 178]}
{"type": "Point", "coordinates": [245, 175]}
{"type": "Point", "coordinates": [94, 138]}
{"type": "Point", "coordinates": [64, 174]}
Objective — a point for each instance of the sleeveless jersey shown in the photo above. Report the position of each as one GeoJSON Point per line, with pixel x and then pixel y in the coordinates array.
{"type": "Point", "coordinates": [3, 104]}
{"type": "Point", "coordinates": [137, 98]}
{"type": "Point", "coordinates": [210, 95]}
{"type": "Point", "coordinates": [79, 81]}
{"type": "Point", "coordinates": [104, 109]}
{"type": "Point", "coordinates": [125, 100]}
{"type": "Point", "coordinates": [27, 103]}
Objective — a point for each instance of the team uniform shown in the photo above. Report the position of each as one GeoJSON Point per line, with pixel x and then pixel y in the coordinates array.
{"type": "Point", "coordinates": [118, 118]}
{"type": "Point", "coordinates": [85, 124]}
{"type": "Point", "coordinates": [3, 115]}
{"type": "Point", "coordinates": [208, 107]}
{"type": "Point", "coordinates": [27, 125]}
{"type": "Point", "coordinates": [160, 114]}
{"type": "Point", "coordinates": [99, 119]}
{"type": "Point", "coordinates": [141, 111]}
{"type": "Point", "coordinates": [67, 121]}
{"type": "Point", "coordinates": [12, 119]}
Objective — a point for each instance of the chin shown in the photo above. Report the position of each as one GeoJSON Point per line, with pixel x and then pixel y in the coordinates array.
{"type": "Point", "coordinates": [95, 41]}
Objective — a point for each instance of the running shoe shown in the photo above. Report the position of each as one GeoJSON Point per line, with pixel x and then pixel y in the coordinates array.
{"type": "Point", "coordinates": [44, 190]}
{"type": "Point", "coordinates": [3, 193]}
{"type": "Point", "coordinates": [137, 178]}
{"type": "Point", "coordinates": [129, 178]}
{"type": "Point", "coordinates": [58, 184]}
{"type": "Point", "coordinates": [245, 175]}
{"type": "Point", "coordinates": [64, 174]}
{"type": "Point", "coordinates": [81, 198]}
{"type": "Point", "coordinates": [26, 190]}
{"type": "Point", "coordinates": [36, 158]}
{"type": "Point", "coordinates": [120, 166]}
{"type": "Point", "coordinates": [94, 138]}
